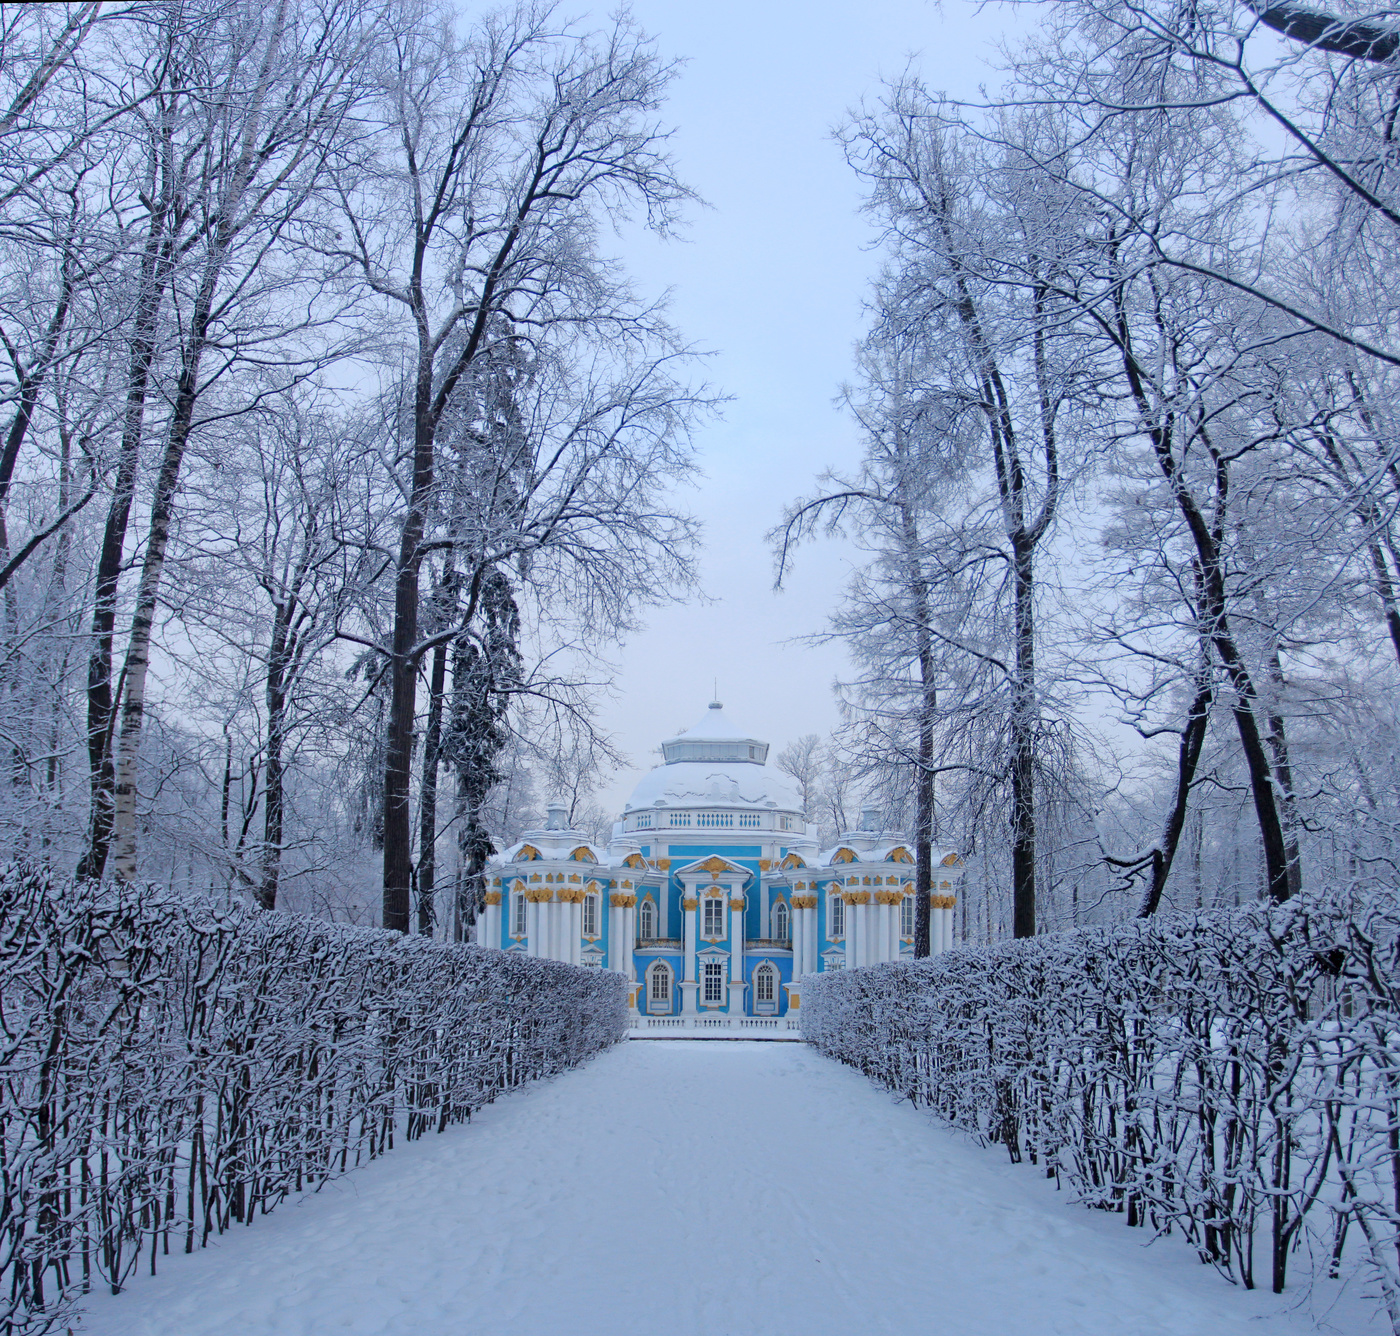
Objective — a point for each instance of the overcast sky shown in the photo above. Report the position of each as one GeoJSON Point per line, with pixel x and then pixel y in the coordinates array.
{"type": "Point", "coordinates": [771, 277]}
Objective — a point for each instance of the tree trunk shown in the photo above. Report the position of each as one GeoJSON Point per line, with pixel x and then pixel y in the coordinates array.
{"type": "Point", "coordinates": [1023, 730]}
{"type": "Point", "coordinates": [427, 816]}
{"type": "Point", "coordinates": [274, 801]}
{"type": "Point", "coordinates": [1193, 736]}
{"type": "Point", "coordinates": [101, 704]}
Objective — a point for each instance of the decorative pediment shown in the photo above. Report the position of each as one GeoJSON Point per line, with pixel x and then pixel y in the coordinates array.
{"type": "Point", "coordinates": [899, 855]}
{"type": "Point", "coordinates": [527, 853]}
{"type": "Point", "coordinates": [844, 855]}
{"type": "Point", "coordinates": [583, 854]}
{"type": "Point", "coordinates": [634, 860]}
{"type": "Point", "coordinates": [790, 862]}
{"type": "Point", "coordinates": [716, 867]}
{"type": "Point", "coordinates": [951, 861]}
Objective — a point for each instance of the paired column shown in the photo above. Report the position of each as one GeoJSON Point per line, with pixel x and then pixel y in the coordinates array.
{"type": "Point", "coordinates": [689, 904]}
{"type": "Point", "coordinates": [621, 939]}
{"type": "Point", "coordinates": [848, 898]}
{"type": "Point", "coordinates": [736, 956]}
{"type": "Point", "coordinates": [489, 934]}
{"type": "Point", "coordinates": [532, 924]}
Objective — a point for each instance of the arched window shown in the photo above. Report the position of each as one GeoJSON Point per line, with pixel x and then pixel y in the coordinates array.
{"type": "Point", "coordinates": [780, 921]}
{"type": "Point", "coordinates": [765, 989]}
{"type": "Point", "coordinates": [517, 915]}
{"type": "Point", "coordinates": [659, 987]}
{"type": "Point", "coordinates": [646, 920]}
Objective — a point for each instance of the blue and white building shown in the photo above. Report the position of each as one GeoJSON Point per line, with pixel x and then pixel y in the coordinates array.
{"type": "Point", "coordinates": [712, 896]}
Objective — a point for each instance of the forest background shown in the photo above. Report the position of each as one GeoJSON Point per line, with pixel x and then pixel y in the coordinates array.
{"type": "Point", "coordinates": [341, 456]}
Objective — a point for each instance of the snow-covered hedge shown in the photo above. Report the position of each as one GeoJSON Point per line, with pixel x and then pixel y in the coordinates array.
{"type": "Point", "coordinates": [1231, 1076]}
{"type": "Point", "coordinates": [172, 1067]}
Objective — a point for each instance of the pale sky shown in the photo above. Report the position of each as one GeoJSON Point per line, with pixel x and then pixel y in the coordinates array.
{"type": "Point", "coordinates": [771, 278]}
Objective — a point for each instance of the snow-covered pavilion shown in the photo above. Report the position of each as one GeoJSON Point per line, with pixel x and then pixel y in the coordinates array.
{"type": "Point", "coordinates": [712, 896]}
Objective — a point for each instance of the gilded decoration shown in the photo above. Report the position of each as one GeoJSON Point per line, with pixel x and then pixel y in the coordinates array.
{"type": "Point", "coordinates": [534, 876]}
{"type": "Point", "coordinates": [549, 876]}
{"type": "Point", "coordinates": [634, 860]}
{"type": "Point", "coordinates": [764, 864]}
{"type": "Point", "coordinates": [497, 882]}
{"type": "Point", "coordinates": [866, 882]}
{"type": "Point", "coordinates": [792, 861]}
{"type": "Point", "coordinates": [737, 905]}
{"type": "Point", "coordinates": [888, 897]}
{"type": "Point", "coordinates": [583, 854]}
{"type": "Point", "coordinates": [493, 897]}
{"type": "Point", "coordinates": [573, 895]}
{"type": "Point", "coordinates": [714, 866]}
{"type": "Point", "coordinates": [900, 855]}
{"type": "Point", "coordinates": [804, 901]}
{"type": "Point", "coordinates": [951, 861]}
{"type": "Point", "coordinates": [664, 864]}
{"type": "Point", "coordinates": [690, 904]}
{"type": "Point", "coordinates": [540, 895]}
{"type": "Point", "coordinates": [575, 877]}
{"type": "Point", "coordinates": [794, 1001]}
{"type": "Point", "coordinates": [626, 885]}
{"type": "Point", "coordinates": [947, 886]}
{"type": "Point", "coordinates": [527, 853]}
{"type": "Point", "coordinates": [623, 901]}
{"type": "Point", "coordinates": [844, 856]}
{"type": "Point", "coordinates": [943, 901]}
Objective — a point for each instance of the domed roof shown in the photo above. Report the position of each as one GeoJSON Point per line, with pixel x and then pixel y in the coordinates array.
{"type": "Point", "coordinates": [715, 738]}
{"type": "Point", "coordinates": [716, 763]}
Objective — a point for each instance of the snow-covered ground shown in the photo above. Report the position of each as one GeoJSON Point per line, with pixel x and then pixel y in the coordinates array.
{"type": "Point", "coordinates": [694, 1188]}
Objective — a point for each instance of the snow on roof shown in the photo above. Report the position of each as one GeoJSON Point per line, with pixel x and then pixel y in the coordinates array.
{"type": "Point", "coordinates": [717, 784]}
{"type": "Point", "coordinates": [714, 726]}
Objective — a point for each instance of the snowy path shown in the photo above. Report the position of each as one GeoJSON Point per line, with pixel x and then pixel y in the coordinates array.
{"type": "Point", "coordinates": [688, 1188]}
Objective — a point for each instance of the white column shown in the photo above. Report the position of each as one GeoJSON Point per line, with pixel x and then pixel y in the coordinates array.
{"type": "Point", "coordinates": [491, 928]}
{"type": "Point", "coordinates": [614, 936]}
{"type": "Point", "coordinates": [549, 928]}
{"type": "Point", "coordinates": [629, 940]}
{"type": "Point", "coordinates": [532, 927]}
{"type": "Point", "coordinates": [798, 930]}
{"type": "Point", "coordinates": [894, 930]}
{"type": "Point", "coordinates": [736, 958]}
{"type": "Point", "coordinates": [809, 956]}
{"type": "Point", "coordinates": [935, 916]}
{"type": "Point", "coordinates": [852, 946]}
{"type": "Point", "coordinates": [576, 932]}
{"type": "Point", "coordinates": [689, 902]}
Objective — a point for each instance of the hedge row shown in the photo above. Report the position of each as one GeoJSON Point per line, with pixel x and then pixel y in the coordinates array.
{"type": "Point", "coordinates": [1234, 1077]}
{"type": "Point", "coordinates": [171, 1068]}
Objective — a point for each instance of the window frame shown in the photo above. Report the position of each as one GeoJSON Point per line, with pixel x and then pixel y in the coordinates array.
{"type": "Point", "coordinates": [906, 910]}
{"type": "Point", "coordinates": [712, 971]}
{"type": "Point", "coordinates": [647, 920]}
{"type": "Point", "coordinates": [519, 915]}
{"type": "Point", "coordinates": [705, 904]}
{"type": "Point", "coordinates": [765, 974]}
{"type": "Point", "coordinates": [590, 912]}
{"type": "Point", "coordinates": [659, 970]}
{"type": "Point", "coordinates": [835, 917]}
{"type": "Point", "coordinates": [781, 925]}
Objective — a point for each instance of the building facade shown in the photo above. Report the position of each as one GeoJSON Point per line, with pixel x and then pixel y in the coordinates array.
{"type": "Point", "coordinates": [712, 896]}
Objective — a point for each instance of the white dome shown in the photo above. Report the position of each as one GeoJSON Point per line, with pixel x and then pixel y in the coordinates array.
{"type": "Point", "coordinates": [716, 764]}
{"type": "Point", "coordinates": [736, 784]}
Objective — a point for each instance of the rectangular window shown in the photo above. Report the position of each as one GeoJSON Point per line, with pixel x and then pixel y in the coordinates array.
{"type": "Point", "coordinates": [836, 917]}
{"type": "Point", "coordinates": [661, 984]}
{"type": "Point", "coordinates": [517, 916]}
{"type": "Point", "coordinates": [590, 916]}
{"type": "Point", "coordinates": [714, 982]}
{"type": "Point", "coordinates": [714, 918]}
{"type": "Point", "coordinates": [715, 819]}
{"type": "Point", "coordinates": [749, 819]}
{"type": "Point", "coordinates": [763, 985]}
{"type": "Point", "coordinates": [906, 916]}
